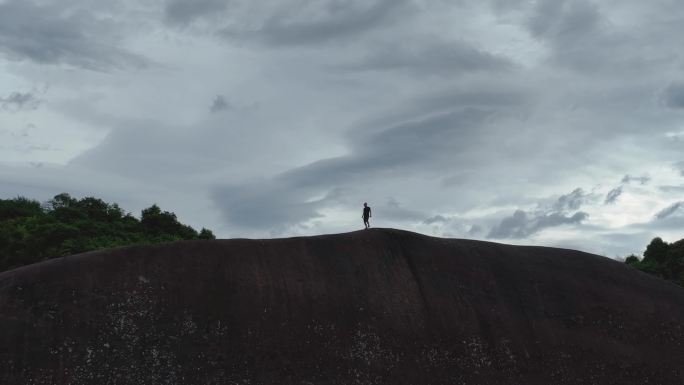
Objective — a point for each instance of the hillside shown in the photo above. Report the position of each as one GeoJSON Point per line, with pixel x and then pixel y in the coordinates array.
{"type": "Point", "coordinates": [370, 307]}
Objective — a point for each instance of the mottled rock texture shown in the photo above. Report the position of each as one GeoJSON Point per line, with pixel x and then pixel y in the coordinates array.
{"type": "Point", "coordinates": [370, 307]}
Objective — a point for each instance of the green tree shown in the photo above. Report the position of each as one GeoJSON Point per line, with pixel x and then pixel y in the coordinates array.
{"type": "Point", "coordinates": [656, 251]}
{"type": "Point", "coordinates": [19, 207]}
{"type": "Point", "coordinates": [159, 223]}
{"type": "Point", "coordinates": [206, 234]}
{"type": "Point", "coordinates": [60, 201]}
{"type": "Point", "coordinates": [31, 232]}
{"type": "Point", "coordinates": [632, 260]}
{"type": "Point", "coordinates": [674, 262]}
{"type": "Point", "coordinates": [662, 259]}
{"type": "Point", "coordinates": [65, 208]}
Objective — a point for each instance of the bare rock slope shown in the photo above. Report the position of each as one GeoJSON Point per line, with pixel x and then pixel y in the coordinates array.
{"type": "Point", "coordinates": [370, 307]}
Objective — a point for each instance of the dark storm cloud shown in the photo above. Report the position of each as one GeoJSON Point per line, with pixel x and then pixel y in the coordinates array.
{"type": "Point", "coordinates": [670, 210]}
{"type": "Point", "coordinates": [52, 33]}
{"type": "Point", "coordinates": [613, 195]}
{"type": "Point", "coordinates": [184, 12]}
{"type": "Point", "coordinates": [220, 104]}
{"type": "Point", "coordinates": [522, 225]}
{"type": "Point", "coordinates": [673, 96]}
{"type": "Point", "coordinates": [572, 201]}
{"type": "Point", "coordinates": [17, 101]}
{"type": "Point", "coordinates": [429, 57]}
{"type": "Point", "coordinates": [305, 23]}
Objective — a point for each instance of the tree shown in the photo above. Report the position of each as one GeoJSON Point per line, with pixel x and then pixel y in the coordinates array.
{"type": "Point", "coordinates": [157, 222]}
{"type": "Point", "coordinates": [65, 208]}
{"type": "Point", "coordinates": [632, 260]}
{"type": "Point", "coordinates": [656, 251]}
{"type": "Point", "coordinates": [674, 262]}
{"type": "Point", "coordinates": [662, 260]}
{"type": "Point", "coordinates": [97, 209]}
{"type": "Point", "coordinates": [206, 234]}
{"type": "Point", "coordinates": [19, 207]}
{"type": "Point", "coordinates": [60, 201]}
{"type": "Point", "coordinates": [31, 232]}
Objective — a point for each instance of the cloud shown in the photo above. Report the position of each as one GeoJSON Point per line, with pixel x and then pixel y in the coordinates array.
{"type": "Point", "coordinates": [670, 210]}
{"type": "Point", "coordinates": [383, 154]}
{"type": "Point", "coordinates": [285, 200]}
{"type": "Point", "coordinates": [18, 101]}
{"type": "Point", "coordinates": [522, 225]}
{"type": "Point", "coordinates": [666, 223]}
{"type": "Point", "coordinates": [285, 23]}
{"type": "Point", "coordinates": [571, 201]}
{"type": "Point", "coordinates": [392, 211]}
{"type": "Point", "coordinates": [461, 109]}
{"type": "Point", "coordinates": [581, 37]}
{"type": "Point", "coordinates": [184, 12]}
{"type": "Point", "coordinates": [435, 219]}
{"type": "Point", "coordinates": [670, 189]}
{"type": "Point", "coordinates": [55, 33]}
{"type": "Point", "coordinates": [300, 22]}
{"type": "Point", "coordinates": [571, 27]}
{"type": "Point", "coordinates": [613, 195]}
{"type": "Point", "coordinates": [642, 179]}
{"type": "Point", "coordinates": [475, 230]}
{"type": "Point", "coordinates": [220, 104]}
{"type": "Point", "coordinates": [429, 57]}
{"type": "Point", "coordinates": [680, 166]}
{"type": "Point", "coordinates": [673, 96]}
{"type": "Point", "coordinates": [264, 205]}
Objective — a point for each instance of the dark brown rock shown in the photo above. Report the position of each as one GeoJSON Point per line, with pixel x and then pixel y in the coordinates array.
{"type": "Point", "coordinates": [370, 307]}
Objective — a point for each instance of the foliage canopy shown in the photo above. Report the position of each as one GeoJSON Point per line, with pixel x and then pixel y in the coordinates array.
{"type": "Point", "coordinates": [31, 232]}
{"type": "Point", "coordinates": [662, 259]}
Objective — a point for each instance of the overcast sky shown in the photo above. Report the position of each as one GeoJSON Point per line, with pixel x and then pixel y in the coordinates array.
{"type": "Point", "coordinates": [543, 122]}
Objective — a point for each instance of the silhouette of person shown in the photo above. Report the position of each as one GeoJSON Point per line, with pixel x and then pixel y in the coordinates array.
{"type": "Point", "coordinates": [366, 214]}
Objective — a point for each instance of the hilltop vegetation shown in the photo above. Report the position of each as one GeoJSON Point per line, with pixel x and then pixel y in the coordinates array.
{"type": "Point", "coordinates": [662, 259]}
{"type": "Point", "coordinates": [32, 232]}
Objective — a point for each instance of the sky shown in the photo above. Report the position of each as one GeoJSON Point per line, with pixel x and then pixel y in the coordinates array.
{"type": "Point", "coordinates": [549, 122]}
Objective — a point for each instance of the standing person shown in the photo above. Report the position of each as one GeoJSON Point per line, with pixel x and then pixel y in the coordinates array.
{"type": "Point", "coordinates": [366, 214]}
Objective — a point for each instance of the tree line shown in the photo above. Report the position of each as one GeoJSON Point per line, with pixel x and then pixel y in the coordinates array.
{"type": "Point", "coordinates": [31, 231]}
{"type": "Point", "coordinates": [662, 259]}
